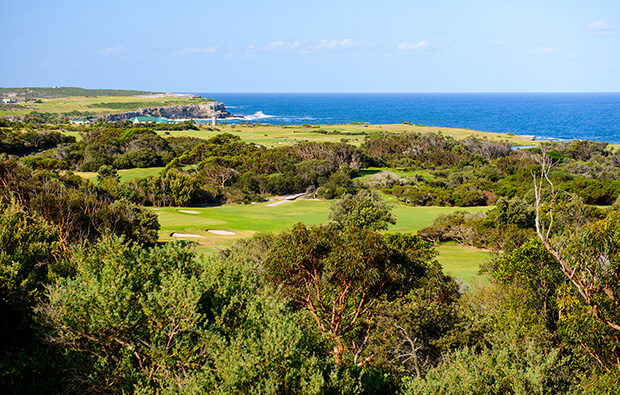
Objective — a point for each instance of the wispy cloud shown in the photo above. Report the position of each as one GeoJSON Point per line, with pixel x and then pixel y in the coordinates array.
{"type": "Point", "coordinates": [283, 46]}
{"type": "Point", "coordinates": [315, 46]}
{"type": "Point", "coordinates": [111, 51]}
{"type": "Point", "coordinates": [194, 51]}
{"type": "Point", "coordinates": [601, 28]}
{"type": "Point", "coordinates": [295, 47]}
{"type": "Point", "coordinates": [250, 51]}
{"type": "Point", "coordinates": [336, 45]}
{"type": "Point", "coordinates": [419, 46]}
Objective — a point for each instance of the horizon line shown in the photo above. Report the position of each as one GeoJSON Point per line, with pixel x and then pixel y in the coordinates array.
{"type": "Point", "coordinates": [408, 93]}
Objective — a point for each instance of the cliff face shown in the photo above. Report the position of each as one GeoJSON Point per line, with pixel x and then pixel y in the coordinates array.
{"type": "Point", "coordinates": [202, 110]}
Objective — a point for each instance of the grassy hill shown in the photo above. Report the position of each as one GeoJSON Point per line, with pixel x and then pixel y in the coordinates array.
{"type": "Point", "coordinates": [50, 93]}
{"type": "Point", "coordinates": [87, 104]}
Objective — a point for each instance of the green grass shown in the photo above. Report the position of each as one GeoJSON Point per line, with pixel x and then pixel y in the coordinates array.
{"type": "Point", "coordinates": [412, 219]}
{"type": "Point", "coordinates": [462, 262]}
{"type": "Point", "coordinates": [272, 136]}
{"type": "Point", "coordinates": [246, 220]}
{"type": "Point", "coordinates": [130, 174]}
{"type": "Point", "coordinates": [268, 136]}
{"type": "Point", "coordinates": [126, 174]}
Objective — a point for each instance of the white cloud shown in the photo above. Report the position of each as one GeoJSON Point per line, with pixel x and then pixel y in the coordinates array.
{"type": "Point", "coordinates": [335, 45]}
{"type": "Point", "coordinates": [601, 28]}
{"type": "Point", "coordinates": [250, 51]}
{"type": "Point", "coordinates": [296, 47]}
{"type": "Point", "coordinates": [283, 45]}
{"type": "Point", "coordinates": [317, 46]}
{"type": "Point", "coordinates": [194, 50]}
{"type": "Point", "coordinates": [111, 51]}
{"type": "Point", "coordinates": [420, 46]}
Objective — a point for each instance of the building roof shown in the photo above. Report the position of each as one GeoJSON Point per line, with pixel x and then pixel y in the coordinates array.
{"type": "Point", "coordinates": [149, 119]}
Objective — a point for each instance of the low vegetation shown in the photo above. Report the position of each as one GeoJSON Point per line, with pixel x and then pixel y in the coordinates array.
{"type": "Point", "coordinates": [57, 92]}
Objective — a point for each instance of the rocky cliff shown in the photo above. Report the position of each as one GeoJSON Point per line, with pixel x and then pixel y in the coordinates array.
{"type": "Point", "coordinates": [196, 111]}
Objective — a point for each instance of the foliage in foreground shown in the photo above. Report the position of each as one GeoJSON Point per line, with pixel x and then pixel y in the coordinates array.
{"type": "Point", "coordinates": [161, 319]}
{"type": "Point", "coordinates": [506, 367]}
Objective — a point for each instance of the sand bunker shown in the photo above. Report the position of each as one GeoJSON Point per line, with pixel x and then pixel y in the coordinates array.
{"type": "Point", "coordinates": [287, 198]}
{"type": "Point", "coordinates": [221, 232]}
{"type": "Point", "coordinates": [189, 211]}
{"type": "Point", "coordinates": [175, 234]}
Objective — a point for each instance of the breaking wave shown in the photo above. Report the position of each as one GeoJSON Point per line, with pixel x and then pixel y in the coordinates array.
{"type": "Point", "coordinates": [258, 115]}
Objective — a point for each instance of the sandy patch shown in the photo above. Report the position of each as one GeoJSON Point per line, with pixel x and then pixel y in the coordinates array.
{"type": "Point", "coordinates": [175, 234]}
{"type": "Point", "coordinates": [287, 198]}
{"type": "Point", "coordinates": [189, 211]}
{"type": "Point", "coordinates": [221, 232]}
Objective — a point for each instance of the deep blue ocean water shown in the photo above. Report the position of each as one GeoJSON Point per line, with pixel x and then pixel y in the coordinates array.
{"type": "Point", "coordinates": [564, 116]}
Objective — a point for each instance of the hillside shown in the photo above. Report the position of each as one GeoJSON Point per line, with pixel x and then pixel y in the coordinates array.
{"type": "Point", "coordinates": [85, 102]}
{"type": "Point", "coordinates": [56, 92]}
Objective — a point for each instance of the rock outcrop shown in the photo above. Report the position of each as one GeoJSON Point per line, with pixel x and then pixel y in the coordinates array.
{"type": "Point", "coordinates": [206, 110]}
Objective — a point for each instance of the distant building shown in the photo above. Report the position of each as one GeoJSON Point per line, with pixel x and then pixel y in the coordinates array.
{"type": "Point", "coordinates": [79, 121]}
{"type": "Point", "coordinates": [137, 120]}
{"type": "Point", "coordinates": [10, 101]}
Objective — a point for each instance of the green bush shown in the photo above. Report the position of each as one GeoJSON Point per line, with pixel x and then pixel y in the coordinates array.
{"type": "Point", "coordinates": [506, 367]}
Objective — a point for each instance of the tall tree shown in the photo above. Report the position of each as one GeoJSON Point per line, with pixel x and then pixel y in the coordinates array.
{"type": "Point", "coordinates": [364, 210]}
{"type": "Point", "coordinates": [588, 257]}
{"type": "Point", "coordinates": [339, 276]}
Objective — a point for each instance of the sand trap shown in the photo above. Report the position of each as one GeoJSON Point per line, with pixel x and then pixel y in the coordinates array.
{"type": "Point", "coordinates": [287, 198]}
{"type": "Point", "coordinates": [221, 232]}
{"type": "Point", "coordinates": [175, 234]}
{"type": "Point", "coordinates": [189, 211]}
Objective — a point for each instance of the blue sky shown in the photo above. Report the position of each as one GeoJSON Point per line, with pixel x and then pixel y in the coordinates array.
{"type": "Point", "coordinates": [313, 46]}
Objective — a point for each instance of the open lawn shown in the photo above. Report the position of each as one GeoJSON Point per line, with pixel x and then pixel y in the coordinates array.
{"type": "Point", "coordinates": [462, 262]}
{"type": "Point", "coordinates": [273, 135]}
{"type": "Point", "coordinates": [243, 220]}
{"type": "Point", "coordinates": [246, 220]}
{"type": "Point", "coordinates": [414, 218]}
{"type": "Point", "coordinates": [126, 174]}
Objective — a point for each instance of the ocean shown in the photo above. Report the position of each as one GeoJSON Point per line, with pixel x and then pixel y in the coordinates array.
{"type": "Point", "coordinates": [559, 116]}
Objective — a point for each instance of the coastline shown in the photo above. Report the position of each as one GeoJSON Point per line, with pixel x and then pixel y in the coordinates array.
{"type": "Point", "coordinates": [547, 116]}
